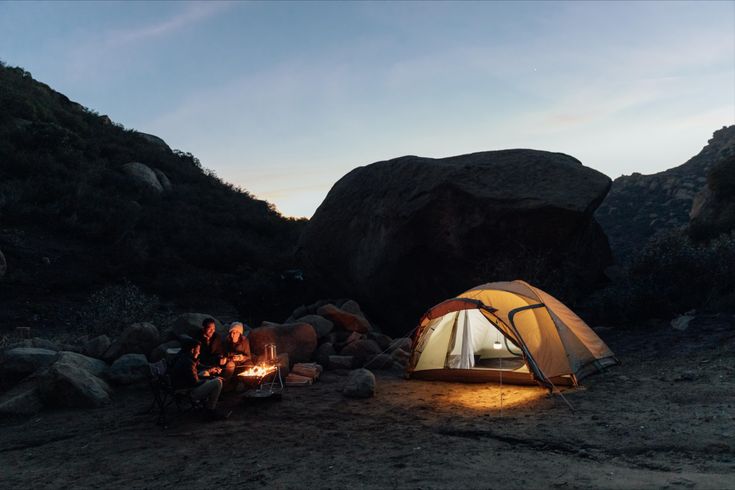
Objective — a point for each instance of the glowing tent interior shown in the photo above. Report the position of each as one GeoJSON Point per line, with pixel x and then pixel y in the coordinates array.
{"type": "Point", "coordinates": [506, 331]}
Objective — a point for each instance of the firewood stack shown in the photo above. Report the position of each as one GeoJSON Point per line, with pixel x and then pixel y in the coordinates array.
{"type": "Point", "coordinates": [303, 374]}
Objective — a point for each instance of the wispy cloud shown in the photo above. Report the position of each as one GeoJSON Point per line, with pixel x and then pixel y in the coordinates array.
{"type": "Point", "coordinates": [106, 46]}
{"type": "Point", "coordinates": [192, 14]}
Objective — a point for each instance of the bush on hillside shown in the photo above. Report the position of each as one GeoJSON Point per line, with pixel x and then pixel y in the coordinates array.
{"type": "Point", "coordinates": [672, 274]}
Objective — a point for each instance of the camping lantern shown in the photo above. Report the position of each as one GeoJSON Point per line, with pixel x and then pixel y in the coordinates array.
{"type": "Point", "coordinates": [271, 357]}
{"type": "Point", "coordinates": [497, 345]}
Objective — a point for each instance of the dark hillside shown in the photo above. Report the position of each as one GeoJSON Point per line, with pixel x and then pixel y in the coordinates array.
{"type": "Point", "coordinates": [76, 214]}
{"type": "Point", "coordinates": [638, 207]}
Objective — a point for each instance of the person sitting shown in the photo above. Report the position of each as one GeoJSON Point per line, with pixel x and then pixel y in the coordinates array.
{"type": "Point", "coordinates": [211, 345]}
{"type": "Point", "coordinates": [236, 350]}
{"type": "Point", "coordinates": [185, 374]}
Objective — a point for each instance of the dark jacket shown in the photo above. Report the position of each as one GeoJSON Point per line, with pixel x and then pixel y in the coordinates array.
{"type": "Point", "coordinates": [184, 371]}
{"type": "Point", "coordinates": [241, 347]}
{"type": "Point", "coordinates": [211, 351]}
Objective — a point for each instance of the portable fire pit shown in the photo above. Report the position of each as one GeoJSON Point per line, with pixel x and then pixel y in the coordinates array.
{"type": "Point", "coordinates": [262, 381]}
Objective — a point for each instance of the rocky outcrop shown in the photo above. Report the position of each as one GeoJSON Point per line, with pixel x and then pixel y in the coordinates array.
{"type": "Point", "coordinates": [640, 206]}
{"type": "Point", "coordinates": [138, 338]}
{"type": "Point", "coordinates": [97, 346]}
{"type": "Point", "coordinates": [191, 323]}
{"type": "Point", "coordinates": [146, 176]}
{"type": "Point", "coordinates": [66, 385]}
{"type": "Point", "coordinates": [713, 210]}
{"type": "Point", "coordinates": [128, 369]}
{"type": "Point", "coordinates": [298, 340]}
{"type": "Point", "coordinates": [402, 235]}
{"type": "Point", "coordinates": [20, 362]}
{"type": "Point", "coordinates": [154, 139]}
{"type": "Point", "coordinates": [322, 326]}
{"type": "Point", "coordinates": [89, 364]}
{"type": "Point", "coordinates": [344, 319]}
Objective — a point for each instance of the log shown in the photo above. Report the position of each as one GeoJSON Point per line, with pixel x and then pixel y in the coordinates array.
{"type": "Point", "coordinates": [296, 380]}
{"type": "Point", "coordinates": [308, 372]}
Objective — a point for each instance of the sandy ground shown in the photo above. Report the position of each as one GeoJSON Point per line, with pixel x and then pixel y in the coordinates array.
{"type": "Point", "coordinates": [663, 419]}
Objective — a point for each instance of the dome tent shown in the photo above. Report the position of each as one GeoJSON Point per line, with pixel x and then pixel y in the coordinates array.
{"type": "Point", "coordinates": [509, 331]}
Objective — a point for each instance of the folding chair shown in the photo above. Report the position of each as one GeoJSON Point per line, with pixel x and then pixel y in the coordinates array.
{"type": "Point", "coordinates": [164, 394]}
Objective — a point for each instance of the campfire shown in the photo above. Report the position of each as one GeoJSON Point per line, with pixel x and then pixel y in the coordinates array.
{"type": "Point", "coordinates": [259, 371]}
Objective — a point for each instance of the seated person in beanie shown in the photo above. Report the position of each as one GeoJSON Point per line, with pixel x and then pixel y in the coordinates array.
{"type": "Point", "coordinates": [185, 374]}
{"type": "Point", "coordinates": [236, 350]}
{"type": "Point", "coordinates": [211, 345]}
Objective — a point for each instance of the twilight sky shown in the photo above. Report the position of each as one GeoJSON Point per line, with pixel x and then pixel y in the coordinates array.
{"type": "Point", "coordinates": [284, 98]}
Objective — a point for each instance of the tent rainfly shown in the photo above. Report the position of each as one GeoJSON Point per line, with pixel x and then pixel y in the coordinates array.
{"type": "Point", "coordinates": [506, 331]}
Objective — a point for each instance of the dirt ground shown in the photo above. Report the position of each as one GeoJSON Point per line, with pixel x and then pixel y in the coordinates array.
{"type": "Point", "coordinates": [663, 419]}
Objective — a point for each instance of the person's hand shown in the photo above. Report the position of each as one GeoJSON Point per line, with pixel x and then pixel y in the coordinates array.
{"type": "Point", "coordinates": [204, 374]}
{"type": "Point", "coordinates": [222, 361]}
{"type": "Point", "coordinates": [216, 370]}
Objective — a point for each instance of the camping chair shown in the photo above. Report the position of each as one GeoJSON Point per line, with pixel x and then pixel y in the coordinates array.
{"type": "Point", "coordinates": [164, 394]}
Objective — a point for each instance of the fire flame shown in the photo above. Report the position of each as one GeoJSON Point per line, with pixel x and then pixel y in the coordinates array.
{"type": "Point", "coordinates": [258, 371]}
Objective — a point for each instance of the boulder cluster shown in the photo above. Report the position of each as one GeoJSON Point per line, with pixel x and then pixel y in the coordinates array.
{"type": "Point", "coordinates": [37, 373]}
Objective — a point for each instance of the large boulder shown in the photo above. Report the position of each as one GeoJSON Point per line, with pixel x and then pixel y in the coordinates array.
{"type": "Point", "coordinates": [20, 362]}
{"type": "Point", "coordinates": [322, 326]}
{"type": "Point", "coordinates": [90, 364]}
{"type": "Point", "coordinates": [67, 385]}
{"type": "Point", "coordinates": [361, 350]}
{"type": "Point", "coordinates": [191, 323]}
{"type": "Point", "coordinates": [143, 175]}
{"type": "Point", "coordinates": [128, 369]}
{"type": "Point", "coordinates": [23, 399]}
{"type": "Point", "coordinates": [37, 342]}
{"type": "Point", "coordinates": [324, 352]}
{"type": "Point", "coordinates": [161, 352]}
{"type": "Point", "coordinates": [138, 338]}
{"type": "Point", "coordinates": [360, 384]}
{"type": "Point", "coordinates": [97, 346]}
{"type": "Point", "coordinates": [402, 235]}
{"type": "Point", "coordinates": [344, 319]}
{"type": "Point", "coordinates": [298, 340]}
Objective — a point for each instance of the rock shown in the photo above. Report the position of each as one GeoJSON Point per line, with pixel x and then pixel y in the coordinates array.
{"type": "Point", "coordinates": [624, 214]}
{"type": "Point", "coordinates": [90, 364]}
{"type": "Point", "coordinates": [681, 322]}
{"type": "Point", "coordinates": [154, 139]}
{"type": "Point", "coordinates": [18, 363]}
{"type": "Point", "coordinates": [22, 399]}
{"type": "Point", "coordinates": [344, 319]}
{"type": "Point", "coordinates": [383, 341]}
{"type": "Point", "coordinates": [66, 385]}
{"type": "Point", "coordinates": [143, 175]}
{"type": "Point", "coordinates": [324, 352]}
{"type": "Point", "coordinates": [36, 342]}
{"type": "Point", "coordinates": [128, 369]}
{"type": "Point", "coordinates": [400, 356]}
{"type": "Point", "coordinates": [138, 338]}
{"type": "Point", "coordinates": [160, 352]}
{"type": "Point", "coordinates": [381, 361]}
{"type": "Point", "coordinates": [299, 312]}
{"type": "Point", "coordinates": [351, 306]}
{"type": "Point", "coordinates": [3, 264]}
{"type": "Point", "coordinates": [191, 323]}
{"type": "Point", "coordinates": [360, 384]}
{"type": "Point", "coordinates": [341, 362]}
{"type": "Point", "coordinates": [384, 226]}
{"type": "Point", "coordinates": [401, 343]}
{"type": "Point", "coordinates": [713, 209]}
{"type": "Point", "coordinates": [352, 337]}
{"type": "Point", "coordinates": [163, 179]}
{"type": "Point", "coordinates": [97, 346]}
{"type": "Point", "coordinates": [361, 350]}
{"type": "Point", "coordinates": [298, 340]}
{"type": "Point", "coordinates": [322, 326]}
